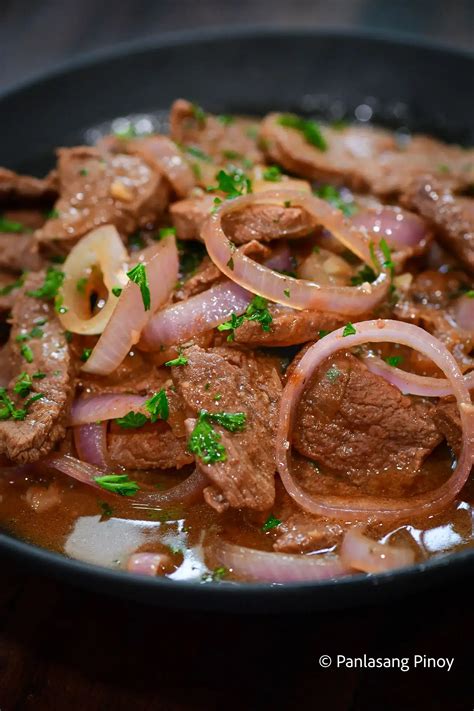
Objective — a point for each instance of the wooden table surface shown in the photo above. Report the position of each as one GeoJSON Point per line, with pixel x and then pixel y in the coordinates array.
{"type": "Point", "coordinates": [65, 648]}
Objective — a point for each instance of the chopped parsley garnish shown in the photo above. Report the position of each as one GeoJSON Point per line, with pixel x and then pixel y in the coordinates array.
{"type": "Point", "coordinates": [272, 174]}
{"type": "Point", "coordinates": [180, 360]}
{"type": "Point", "coordinates": [136, 240]}
{"type": "Point", "coordinates": [39, 375]}
{"type": "Point", "coordinates": [271, 522]}
{"type": "Point", "coordinates": [394, 361]}
{"type": "Point", "coordinates": [225, 119]}
{"type": "Point", "coordinates": [349, 330]}
{"type": "Point", "coordinates": [23, 385]}
{"type": "Point", "coordinates": [5, 290]}
{"type": "Point", "coordinates": [117, 290]}
{"type": "Point", "coordinates": [191, 255]}
{"type": "Point", "coordinates": [232, 155]}
{"type": "Point", "coordinates": [232, 421]}
{"type": "Point", "coordinates": [68, 335]}
{"type": "Point", "coordinates": [118, 484]}
{"type": "Point", "coordinates": [51, 285]}
{"type": "Point", "coordinates": [158, 406]}
{"type": "Point", "coordinates": [216, 575]}
{"type": "Point", "coordinates": [443, 168]}
{"type": "Point", "coordinates": [199, 114]}
{"type": "Point", "coordinates": [8, 411]}
{"type": "Point", "coordinates": [387, 253]}
{"type": "Point", "coordinates": [27, 353]}
{"type": "Point", "coordinates": [287, 293]}
{"type": "Point", "coordinates": [36, 332]}
{"type": "Point", "coordinates": [233, 184]}
{"type": "Point", "coordinates": [366, 274]}
{"type": "Point", "coordinates": [11, 226]}
{"type": "Point", "coordinates": [230, 263]}
{"type": "Point", "coordinates": [332, 374]}
{"type": "Point", "coordinates": [58, 305]}
{"type": "Point", "coordinates": [198, 153]}
{"type": "Point", "coordinates": [309, 128]}
{"type": "Point", "coordinates": [81, 285]}
{"type": "Point", "coordinates": [166, 232]}
{"type": "Point", "coordinates": [126, 133]}
{"type": "Point", "coordinates": [139, 277]}
{"type": "Point", "coordinates": [323, 333]}
{"type": "Point", "coordinates": [132, 420]}
{"type": "Point", "coordinates": [470, 294]}
{"type": "Point", "coordinates": [333, 196]}
{"type": "Point", "coordinates": [106, 509]}
{"type": "Point", "coordinates": [204, 441]}
{"type": "Point", "coordinates": [85, 355]}
{"type": "Point", "coordinates": [52, 214]}
{"type": "Point", "coordinates": [83, 171]}
{"type": "Point", "coordinates": [287, 203]}
{"type": "Point", "coordinates": [257, 310]}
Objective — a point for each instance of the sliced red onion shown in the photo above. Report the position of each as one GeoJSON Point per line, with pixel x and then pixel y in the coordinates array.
{"type": "Point", "coordinates": [166, 154]}
{"type": "Point", "coordinates": [104, 407]}
{"type": "Point", "coordinates": [198, 314]}
{"type": "Point", "coordinates": [186, 492]}
{"type": "Point", "coordinates": [400, 228]}
{"type": "Point", "coordinates": [129, 317]}
{"type": "Point", "coordinates": [298, 293]}
{"type": "Point", "coordinates": [91, 443]}
{"type": "Point", "coordinates": [362, 553]}
{"type": "Point", "coordinates": [412, 384]}
{"type": "Point", "coordinates": [253, 564]}
{"type": "Point", "coordinates": [464, 313]}
{"type": "Point", "coordinates": [148, 563]}
{"type": "Point", "coordinates": [361, 507]}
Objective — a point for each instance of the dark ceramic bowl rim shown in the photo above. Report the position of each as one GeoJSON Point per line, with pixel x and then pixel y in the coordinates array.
{"type": "Point", "coordinates": [347, 591]}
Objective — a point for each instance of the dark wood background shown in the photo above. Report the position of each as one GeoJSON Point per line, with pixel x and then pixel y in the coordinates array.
{"type": "Point", "coordinates": [64, 648]}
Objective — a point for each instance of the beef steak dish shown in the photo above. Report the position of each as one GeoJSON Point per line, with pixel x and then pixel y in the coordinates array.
{"type": "Point", "coordinates": [241, 351]}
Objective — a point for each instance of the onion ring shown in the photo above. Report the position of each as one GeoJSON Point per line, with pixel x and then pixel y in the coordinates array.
{"type": "Point", "coordinates": [378, 331]}
{"type": "Point", "coordinates": [412, 384]}
{"type": "Point", "coordinates": [363, 553]}
{"type": "Point", "coordinates": [109, 406]}
{"type": "Point", "coordinates": [169, 159]}
{"type": "Point", "coordinates": [90, 441]}
{"type": "Point", "coordinates": [104, 248]}
{"type": "Point", "coordinates": [129, 318]}
{"type": "Point", "coordinates": [286, 290]}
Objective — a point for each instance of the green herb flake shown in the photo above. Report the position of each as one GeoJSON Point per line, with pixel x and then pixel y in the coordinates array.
{"type": "Point", "coordinates": [180, 360]}
{"type": "Point", "coordinates": [470, 294]}
{"type": "Point", "coordinates": [52, 214]}
{"type": "Point", "coordinates": [225, 119]}
{"type": "Point", "coordinates": [39, 375]}
{"type": "Point", "coordinates": [287, 293]}
{"type": "Point", "coordinates": [230, 263]}
{"type": "Point", "coordinates": [272, 174]}
{"type": "Point", "coordinates": [334, 198]}
{"type": "Point", "coordinates": [158, 406]}
{"type": "Point", "coordinates": [309, 128]}
{"type": "Point", "coordinates": [287, 203]}
{"type": "Point", "coordinates": [132, 420]}
{"type": "Point", "coordinates": [205, 442]}
{"type": "Point", "coordinates": [50, 287]}
{"type": "Point", "coordinates": [199, 114]}
{"type": "Point", "coordinates": [232, 421]}
{"type": "Point", "coordinates": [81, 285]}
{"type": "Point", "coordinates": [85, 355]}
{"type": "Point", "coordinates": [394, 361]}
{"type": "Point", "coordinates": [8, 411]}
{"type": "Point", "coordinates": [387, 253]}
{"type": "Point", "coordinates": [139, 277]}
{"type": "Point", "coordinates": [271, 522]}
{"type": "Point", "coordinates": [5, 290]}
{"type": "Point", "coordinates": [68, 335]}
{"type": "Point", "coordinates": [23, 385]}
{"type": "Point", "coordinates": [106, 510]}
{"type": "Point", "coordinates": [366, 274]}
{"type": "Point", "coordinates": [349, 330]}
{"type": "Point", "coordinates": [198, 153]}
{"type": "Point", "coordinates": [83, 172]}
{"type": "Point", "coordinates": [166, 232]}
{"type": "Point", "coordinates": [118, 484]}
{"type": "Point", "coordinates": [332, 374]}
{"type": "Point", "coordinates": [323, 333]}
{"type": "Point", "coordinates": [136, 241]}
{"type": "Point", "coordinates": [11, 226]}
{"type": "Point", "coordinates": [117, 290]}
{"type": "Point", "coordinates": [216, 575]}
{"type": "Point", "coordinates": [257, 310]}
{"type": "Point", "coordinates": [233, 183]}
{"type": "Point", "coordinates": [27, 353]}
{"type": "Point", "coordinates": [443, 168]}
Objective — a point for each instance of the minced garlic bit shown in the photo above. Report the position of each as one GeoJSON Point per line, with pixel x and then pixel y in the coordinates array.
{"type": "Point", "coordinates": [119, 191]}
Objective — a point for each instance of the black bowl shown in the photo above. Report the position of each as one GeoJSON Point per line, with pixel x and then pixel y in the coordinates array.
{"type": "Point", "coordinates": [415, 86]}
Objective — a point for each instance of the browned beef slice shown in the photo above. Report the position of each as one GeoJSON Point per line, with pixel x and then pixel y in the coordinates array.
{"type": "Point", "coordinates": [18, 252]}
{"type": "Point", "coordinates": [363, 157]}
{"type": "Point", "coordinates": [204, 277]}
{"type": "Point", "coordinates": [259, 222]}
{"type": "Point", "coordinates": [216, 138]}
{"type": "Point", "coordinates": [288, 327]}
{"type": "Point", "coordinates": [246, 384]}
{"type": "Point", "coordinates": [451, 216]}
{"type": "Point", "coordinates": [448, 421]}
{"type": "Point", "coordinates": [98, 188]}
{"type": "Point", "coordinates": [45, 424]}
{"type": "Point", "coordinates": [26, 189]}
{"type": "Point", "coordinates": [302, 532]}
{"type": "Point", "coordinates": [9, 285]}
{"type": "Point", "coordinates": [352, 420]}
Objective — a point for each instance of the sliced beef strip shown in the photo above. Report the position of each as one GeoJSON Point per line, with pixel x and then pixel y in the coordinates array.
{"type": "Point", "coordinates": [363, 157]}
{"type": "Point", "coordinates": [259, 222]}
{"type": "Point", "coordinates": [30, 439]}
{"type": "Point", "coordinates": [289, 327]}
{"type": "Point", "coordinates": [18, 252]}
{"type": "Point", "coordinates": [301, 533]}
{"type": "Point", "coordinates": [448, 421]}
{"type": "Point", "coordinates": [98, 188]}
{"type": "Point", "coordinates": [204, 277]}
{"type": "Point", "coordinates": [352, 421]}
{"type": "Point", "coordinates": [21, 189]}
{"type": "Point", "coordinates": [7, 297]}
{"type": "Point", "coordinates": [451, 216]}
{"type": "Point", "coordinates": [216, 138]}
{"type": "Point", "coordinates": [245, 383]}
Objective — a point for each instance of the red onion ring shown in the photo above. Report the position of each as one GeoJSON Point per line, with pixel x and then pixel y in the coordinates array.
{"type": "Point", "coordinates": [276, 567]}
{"type": "Point", "coordinates": [186, 492]}
{"type": "Point", "coordinates": [91, 443]}
{"type": "Point", "coordinates": [362, 553]}
{"type": "Point", "coordinates": [104, 407]}
{"type": "Point", "coordinates": [129, 317]}
{"type": "Point", "coordinates": [148, 563]}
{"type": "Point", "coordinates": [412, 384]}
{"type": "Point", "coordinates": [400, 228]}
{"type": "Point", "coordinates": [298, 293]}
{"type": "Point", "coordinates": [169, 159]}
{"type": "Point", "coordinates": [378, 331]}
